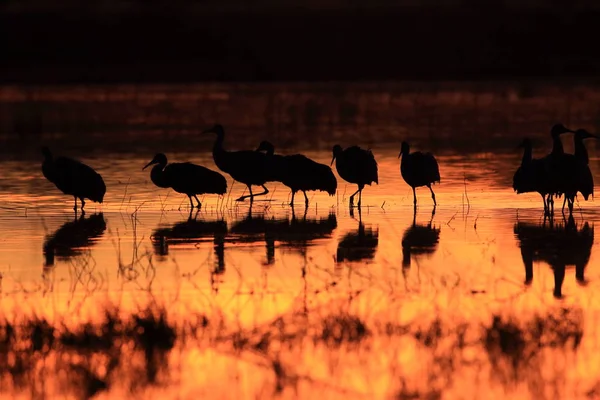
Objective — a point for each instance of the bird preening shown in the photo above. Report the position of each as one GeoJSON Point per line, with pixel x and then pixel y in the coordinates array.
{"type": "Point", "coordinates": [73, 178]}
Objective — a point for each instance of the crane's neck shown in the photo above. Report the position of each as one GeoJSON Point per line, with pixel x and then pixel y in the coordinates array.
{"type": "Point", "coordinates": [158, 177]}
{"type": "Point", "coordinates": [580, 151]}
{"type": "Point", "coordinates": [527, 155]}
{"type": "Point", "coordinates": [557, 147]}
{"type": "Point", "coordinates": [219, 153]}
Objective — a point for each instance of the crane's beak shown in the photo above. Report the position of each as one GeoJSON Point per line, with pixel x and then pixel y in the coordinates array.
{"type": "Point", "coordinates": [400, 155]}
{"type": "Point", "coordinates": [332, 160]}
{"type": "Point", "coordinates": [149, 164]}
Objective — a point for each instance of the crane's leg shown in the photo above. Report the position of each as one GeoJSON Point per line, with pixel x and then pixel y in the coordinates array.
{"type": "Point", "coordinates": [432, 195]}
{"type": "Point", "coordinates": [82, 204]}
{"type": "Point", "coordinates": [414, 197]}
{"type": "Point", "coordinates": [265, 191]}
{"type": "Point", "coordinates": [292, 201]}
{"type": "Point", "coordinates": [545, 205]}
{"type": "Point", "coordinates": [352, 197]}
{"type": "Point", "coordinates": [359, 197]}
{"type": "Point", "coordinates": [305, 199]}
{"type": "Point", "coordinates": [197, 201]}
{"type": "Point", "coordinates": [75, 206]}
{"type": "Point", "coordinates": [191, 203]}
{"type": "Point", "coordinates": [242, 198]}
{"type": "Point", "coordinates": [571, 204]}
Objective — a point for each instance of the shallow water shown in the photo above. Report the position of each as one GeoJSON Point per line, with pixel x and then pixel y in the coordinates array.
{"type": "Point", "coordinates": [486, 251]}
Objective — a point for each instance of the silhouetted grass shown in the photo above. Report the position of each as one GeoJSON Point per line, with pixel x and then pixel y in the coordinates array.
{"type": "Point", "coordinates": [133, 351]}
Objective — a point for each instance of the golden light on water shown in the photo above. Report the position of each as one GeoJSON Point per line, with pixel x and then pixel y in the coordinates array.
{"type": "Point", "coordinates": [138, 298]}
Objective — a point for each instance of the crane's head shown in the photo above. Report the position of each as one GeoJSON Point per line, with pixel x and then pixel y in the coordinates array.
{"type": "Point", "coordinates": [559, 129]}
{"type": "Point", "coordinates": [159, 159]}
{"type": "Point", "coordinates": [583, 134]}
{"type": "Point", "coordinates": [337, 150]}
{"type": "Point", "coordinates": [47, 153]}
{"type": "Point", "coordinates": [404, 149]}
{"type": "Point", "coordinates": [266, 146]}
{"type": "Point", "coordinates": [217, 128]}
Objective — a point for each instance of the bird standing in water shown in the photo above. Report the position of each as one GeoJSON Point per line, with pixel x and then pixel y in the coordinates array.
{"type": "Point", "coordinates": [418, 169]}
{"type": "Point", "coordinates": [245, 166]}
{"type": "Point", "coordinates": [186, 178]}
{"type": "Point", "coordinates": [73, 178]}
{"type": "Point", "coordinates": [355, 165]}
{"type": "Point", "coordinates": [298, 172]}
{"type": "Point", "coordinates": [557, 177]}
{"type": "Point", "coordinates": [531, 176]}
{"type": "Point", "coordinates": [577, 166]}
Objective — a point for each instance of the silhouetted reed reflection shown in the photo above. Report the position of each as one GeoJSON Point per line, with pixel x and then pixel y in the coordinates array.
{"type": "Point", "coordinates": [358, 245]}
{"type": "Point", "coordinates": [557, 244]}
{"type": "Point", "coordinates": [73, 237]}
{"type": "Point", "coordinates": [193, 231]}
{"type": "Point", "coordinates": [419, 240]}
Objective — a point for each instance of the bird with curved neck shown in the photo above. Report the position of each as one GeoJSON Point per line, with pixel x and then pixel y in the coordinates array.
{"type": "Point", "coordinates": [357, 166]}
{"type": "Point", "coordinates": [245, 166]}
{"type": "Point", "coordinates": [419, 169]}
{"type": "Point", "coordinates": [298, 172]}
{"type": "Point", "coordinates": [186, 178]}
{"type": "Point", "coordinates": [74, 178]}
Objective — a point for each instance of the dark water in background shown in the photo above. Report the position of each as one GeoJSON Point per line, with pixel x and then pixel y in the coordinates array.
{"type": "Point", "coordinates": [485, 251]}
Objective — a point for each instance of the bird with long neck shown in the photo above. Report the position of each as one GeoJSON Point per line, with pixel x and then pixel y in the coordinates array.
{"type": "Point", "coordinates": [554, 161]}
{"type": "Point", "coordinates": [580, 169]}
{"type": "Point", "coordinates": [186, 178]}
{"type": "Point", "coordinates": [157, 174]}
{"type": "Point", "coordinates": [245, 166]}
{"type": "Point", "coordinates": [531, 176]}
{"type": "Point", "coordinates": [419, 169]}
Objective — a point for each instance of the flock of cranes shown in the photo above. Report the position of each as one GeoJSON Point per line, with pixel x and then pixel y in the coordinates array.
{"type": "Point", "coordinates": [555, 175]}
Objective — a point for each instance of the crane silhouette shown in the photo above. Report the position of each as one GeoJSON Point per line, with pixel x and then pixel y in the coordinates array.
{"type": "Point", "coordinates": [191, 232]}
{"type": "Point", "coordinates": [73, 237]}
{"type": "Point", "coordinates": [355, 165]}
{"type": "Point", "coordinates": [73, 178]}
{"type": "Point", "coordinates": [245, 166]}
{"type": "Point", "coordinates": [298, 172]}
{"type": "Point", "coordinates": [358, 245]}
{"type": "Point", "coordinates": [558, 177]}
{"type": "Point", "coordinates": [577, 166]}
{"type": "Point", "coordinates": [419, 169]}
{"type": "Point", "coordinates": [186, 178]}
{"type": "Point", "coordinates": [558, 245]}
{"type": "Point", "coordinates": [419, 240]}
{"type": "Point", "coordinates": [532, 176]}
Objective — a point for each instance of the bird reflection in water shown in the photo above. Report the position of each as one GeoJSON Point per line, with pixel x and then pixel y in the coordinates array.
{"type": "Point", "coordinates": [419, 240]}
{"type": "Point", "coordinates": [192, 232]}
{"type": "Point", "coordinates": [295, 233]}
{"type": "Point", "coordinates": [557, 244]}
{"type": "Point", "coordinates": [73, 238]}
{"type": "Point", "coordinates": [358, 245]}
